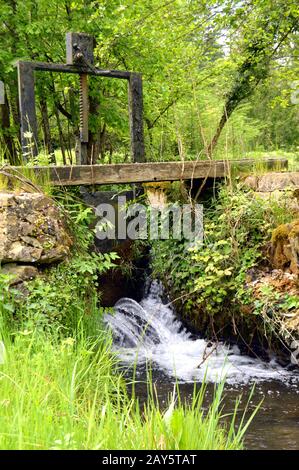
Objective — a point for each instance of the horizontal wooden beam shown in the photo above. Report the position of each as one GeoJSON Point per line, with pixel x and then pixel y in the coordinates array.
{"type": "Point", "coordinates": [145, 172]}
{"type": "Point", "coordinates": [63, 68]}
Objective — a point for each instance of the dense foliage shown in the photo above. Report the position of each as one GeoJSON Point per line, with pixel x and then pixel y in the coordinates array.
{"type": "Point", "coordinates": [209, 279]}
{"type": "Point", "coordinates": [202, 63]}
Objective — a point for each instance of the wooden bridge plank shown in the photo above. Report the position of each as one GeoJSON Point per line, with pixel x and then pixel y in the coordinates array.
{"type": "Point", "coordinates": [145, 172]}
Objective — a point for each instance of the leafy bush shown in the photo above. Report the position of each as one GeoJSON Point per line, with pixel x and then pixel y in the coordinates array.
{"type": "Point", "coordinates": [210, 277]}
{"type": "Point", "coordinates": [7, 297]}
{"type": "Point", "coordinates": [67, 291]}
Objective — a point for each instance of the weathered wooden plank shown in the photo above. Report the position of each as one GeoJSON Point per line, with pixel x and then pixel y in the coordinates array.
{"type": "Point", "coordinates": [145, 172]}
{"type": "Point", "coordinates": [27, 109]}
{"type": "Point", "coordinates": [136, 117]}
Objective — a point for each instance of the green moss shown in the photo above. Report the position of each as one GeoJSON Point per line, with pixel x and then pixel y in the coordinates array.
{"type": "Point", "coordinates": [285, 231]}
{"type": "Point", "coordinates": [157, 185]}
{"type": "Point", "coordinates": [280, 233]}
{"type": "Point", "coordinates": [294, 233]}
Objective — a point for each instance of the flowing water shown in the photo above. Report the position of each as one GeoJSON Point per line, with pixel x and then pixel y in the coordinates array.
{"type": "Point", "coordinates": [149, 334]}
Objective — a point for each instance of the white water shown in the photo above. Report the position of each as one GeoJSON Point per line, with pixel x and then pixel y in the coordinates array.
{"type": "Point", "coordinates": [150, 333]}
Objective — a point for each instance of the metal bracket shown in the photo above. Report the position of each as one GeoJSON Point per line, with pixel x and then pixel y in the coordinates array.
{"type": "Point", "coordinates": [79, 48]}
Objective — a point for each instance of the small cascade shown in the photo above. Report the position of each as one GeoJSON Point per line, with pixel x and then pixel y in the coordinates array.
{"type": "Point", "coordinates": [149, 333]}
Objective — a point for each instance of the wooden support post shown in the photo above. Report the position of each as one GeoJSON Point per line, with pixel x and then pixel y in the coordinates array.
{"type": "Point", "coordinates": [79, 48]}
{"type": "Point", "coordinates": [136, 117]}
{"type": "Point", "coordinates": [27, 110]}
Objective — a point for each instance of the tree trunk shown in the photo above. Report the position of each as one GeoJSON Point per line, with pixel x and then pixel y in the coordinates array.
{"type": "Point", "coordinates": [212, 145]}
{"type": "Point", "coordinates": [102, 142]}
{"type": "Point", "coordinates": [93, 137]}
{"type": "Point", "coordinates": [61, 139]}
{"type": "Point", "coordinates": [10, 151]}
{"type": "Point", "coordinates": [46, 129]}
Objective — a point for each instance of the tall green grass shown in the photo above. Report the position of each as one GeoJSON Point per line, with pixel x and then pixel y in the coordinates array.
{"type": "Point", "coordinates": [65, 393]}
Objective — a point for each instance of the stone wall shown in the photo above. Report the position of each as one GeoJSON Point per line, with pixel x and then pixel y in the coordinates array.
{"type": "Point", "coordinates": [33, 233]}
{"type": "Point", "coordinates": [281, 256]}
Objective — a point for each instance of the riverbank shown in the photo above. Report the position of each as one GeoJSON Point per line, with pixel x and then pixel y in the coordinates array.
{"type": "Point", "coordinates": [65, 394]}
{"type": "Point", "coordinates": [60, 387]}
{"type": "Point", "coordinates": [229, 287]}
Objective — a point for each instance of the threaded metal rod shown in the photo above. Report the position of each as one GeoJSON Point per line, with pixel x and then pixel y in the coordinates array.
{"type": "Point", "coordinates": [83, 104]}
{"type": "Point", "coordinates": [83, 108]}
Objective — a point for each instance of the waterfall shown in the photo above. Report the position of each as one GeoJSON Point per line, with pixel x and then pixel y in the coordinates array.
{"type": "Point", "coordinates": [150, 333]}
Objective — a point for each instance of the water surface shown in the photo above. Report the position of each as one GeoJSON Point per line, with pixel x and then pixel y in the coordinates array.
{"type": "Point", "coordinates": [149, 335]}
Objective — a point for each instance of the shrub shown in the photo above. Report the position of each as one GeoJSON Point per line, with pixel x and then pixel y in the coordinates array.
{"type": "Point", "coordinates": [209, 278]}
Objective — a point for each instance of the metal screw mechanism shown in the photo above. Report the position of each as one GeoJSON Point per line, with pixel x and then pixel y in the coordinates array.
{"type": "Point", "coordinates": [83, 108]}
{"type": "Point", "coordinates": [83, 104]}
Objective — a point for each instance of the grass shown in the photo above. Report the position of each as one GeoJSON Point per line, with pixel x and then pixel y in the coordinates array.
{"type": "Point", "coordinates": [27, 180]}
{"type": "Point", "coordinates": [64, 393]}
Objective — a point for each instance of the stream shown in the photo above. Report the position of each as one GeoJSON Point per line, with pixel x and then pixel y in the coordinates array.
{"type": "Point", "coordinates": [148, 334]}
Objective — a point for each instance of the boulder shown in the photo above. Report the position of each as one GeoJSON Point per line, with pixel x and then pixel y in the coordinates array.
{"type": "Point", "coordinates": [273, 181]}
{"type": "Point", "coordinates": [279, 187]}
{"type": "Point", "coordinates": [19, 272]}
{"type": "Point", "coordinates": [32, 229]}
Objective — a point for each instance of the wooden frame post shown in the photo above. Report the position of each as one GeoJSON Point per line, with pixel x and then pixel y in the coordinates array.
{"type": "Point", "coordinates": [136, 117]}
{"type": "Point", "coordinates": [27, 109]}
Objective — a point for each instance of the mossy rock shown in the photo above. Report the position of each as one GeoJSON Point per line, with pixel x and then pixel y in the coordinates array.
{"type": "Point", "coordinates": [284, 253]}
{"type": "Point", "coordinates": [280, 233]}
{"type": "Point", "coordinates": [32, 229]}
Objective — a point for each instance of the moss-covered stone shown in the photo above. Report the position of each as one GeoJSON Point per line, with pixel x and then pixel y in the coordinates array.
{"type": "Point", "coordinates": [284, 252]}
{"type": "Point", "coordinates": [32, 229]}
